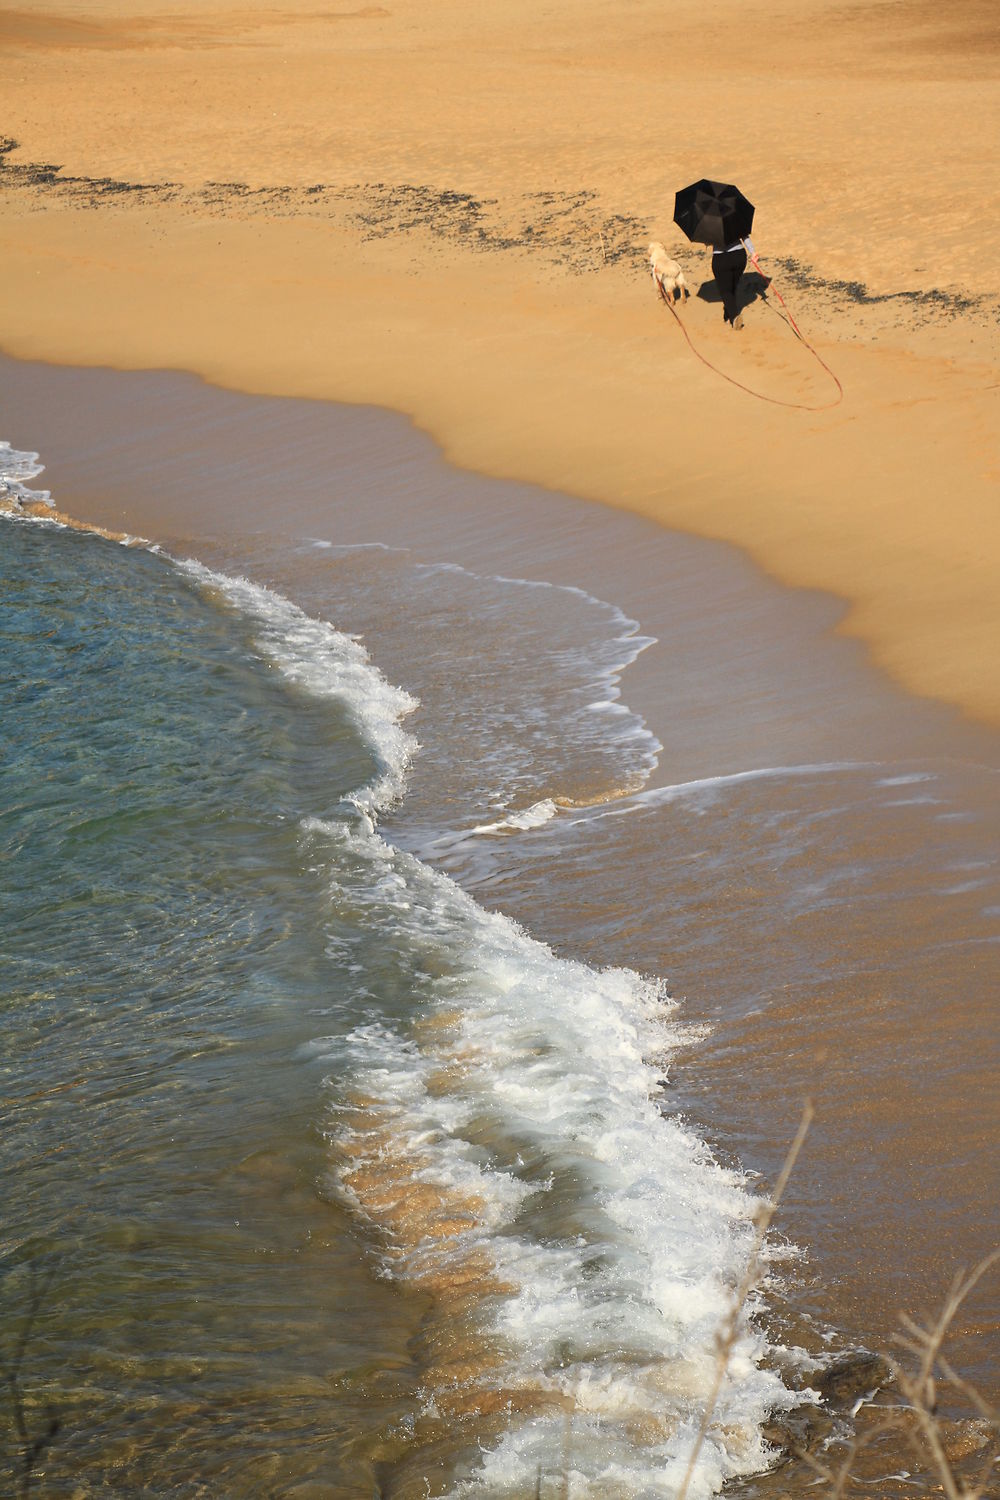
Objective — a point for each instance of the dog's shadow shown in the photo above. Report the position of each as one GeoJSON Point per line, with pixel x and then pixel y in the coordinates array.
{"type": "Point", "coordinates": [752, 287]}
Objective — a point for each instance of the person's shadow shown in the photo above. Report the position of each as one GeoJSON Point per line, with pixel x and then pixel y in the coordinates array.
{"type": "Point", "coordinates": [752, 287]}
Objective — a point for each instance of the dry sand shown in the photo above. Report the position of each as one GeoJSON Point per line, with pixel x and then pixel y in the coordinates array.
{"type": "Point", "coordinates": [443, 209]}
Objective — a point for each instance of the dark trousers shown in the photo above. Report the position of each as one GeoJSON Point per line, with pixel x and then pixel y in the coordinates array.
{"type": "Point", "coordinates": [727, 269]}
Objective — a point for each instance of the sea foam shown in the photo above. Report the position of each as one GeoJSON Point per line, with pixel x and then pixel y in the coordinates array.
{"type": "Point", "coordinates": [504, 1136]}
{"type": "Point", "coordinates": [327, 663]}
{"type": "Point", "coordinates": [16, 467]}
{"type": "Point", "coordinates": [599, 661]}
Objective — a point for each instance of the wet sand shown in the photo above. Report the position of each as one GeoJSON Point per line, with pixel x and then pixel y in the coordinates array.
{"type": "Point", "coordinates": [167, 457]}
{"type": "Point", "coordinates": [444, 213]}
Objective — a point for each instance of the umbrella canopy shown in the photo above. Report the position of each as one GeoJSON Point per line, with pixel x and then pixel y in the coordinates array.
{"type": "Point", "coordinates": [713, 213]}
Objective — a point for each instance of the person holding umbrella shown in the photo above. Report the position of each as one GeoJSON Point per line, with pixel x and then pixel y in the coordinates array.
{"type": "Point", "coordinates": [717, 214]}
{"type": "Point", "coordinates": [728, 266]}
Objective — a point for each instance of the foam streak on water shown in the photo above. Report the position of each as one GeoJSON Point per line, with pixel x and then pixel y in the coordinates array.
{"type": "Point", "coordinates": [15, 468]}
{"type": "Point", "coordinates": [601, 661]}
{"type": "Point", "coordinates": [327, 663]}
{"type": "Point", "coordinates": [500, 1132]}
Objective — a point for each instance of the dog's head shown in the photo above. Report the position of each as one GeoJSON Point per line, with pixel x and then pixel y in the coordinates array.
{"type": "Point", "coordinates": [657, 251]}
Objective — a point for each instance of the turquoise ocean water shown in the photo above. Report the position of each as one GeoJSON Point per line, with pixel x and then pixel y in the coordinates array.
{"type": "Point", "coordinates": [327, 1176]}
{"type": "Point", "coordinates": [165, 953]}
{"type": "Point", "coordinates": [314, 1149]}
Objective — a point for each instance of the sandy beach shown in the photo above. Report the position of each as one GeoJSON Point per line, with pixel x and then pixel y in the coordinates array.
{"type": "Point", "coordinates": [355, 303]}
{"type": "Point", "coordinates": [446, 214]}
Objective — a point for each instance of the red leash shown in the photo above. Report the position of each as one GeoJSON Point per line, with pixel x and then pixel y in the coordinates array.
{"type": "Point", "coordinates": [774, 400]}
{"type": "Point", "coordinates": [770, 282]}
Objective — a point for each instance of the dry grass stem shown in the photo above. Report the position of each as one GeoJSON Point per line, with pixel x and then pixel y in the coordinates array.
{"type": "Point", "coordinates": [918, 1407]}
{"type": "Point", "coordinates": [730, 1329]}
{"type": "Point", "coordinates": [919, 1387]}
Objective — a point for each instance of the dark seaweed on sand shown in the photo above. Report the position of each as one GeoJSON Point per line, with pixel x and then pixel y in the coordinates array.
{"type": "Point", "coordinates": [568, 231]}
{"type": "Point", "coordinates": [88, 191]}
{"type": "Point", "coordinates": [802, 277]}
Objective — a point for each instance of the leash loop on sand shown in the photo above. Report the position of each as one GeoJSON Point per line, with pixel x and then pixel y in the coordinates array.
{"type": "Point", "coordinates": [774, 400]}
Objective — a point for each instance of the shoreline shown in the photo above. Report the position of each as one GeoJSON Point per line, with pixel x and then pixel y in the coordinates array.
{"type": "Point", "coordinates": [147, 445]}
{"type": "Point", "coordinates": [427, 240]}
{"type": "Point", "coordinates": [290, 280]}
{"type": "Point", "coordinates": [936, 639]}
{"type": "Point", "coordinates": [345, 470]}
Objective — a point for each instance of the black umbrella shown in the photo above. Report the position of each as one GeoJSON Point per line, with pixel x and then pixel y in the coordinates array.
{"type": "Point", "coordinates": [713, 213]}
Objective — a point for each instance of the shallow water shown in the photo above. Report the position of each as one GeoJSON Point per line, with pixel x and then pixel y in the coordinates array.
{"type": "Point", "coordinates": [238, 1022]}
{"type": "Point", "coordinates": [162, 957]}
{"type": "Point", "coordinates": [485, 1236]}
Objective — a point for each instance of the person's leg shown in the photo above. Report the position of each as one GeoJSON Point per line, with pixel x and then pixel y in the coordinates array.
{"type": "Point", "coordinates": [727, 270]}
{"type": "Point", "coordinates": [721, 273]}
{"type": "Point", "coordinates": [739, 266]}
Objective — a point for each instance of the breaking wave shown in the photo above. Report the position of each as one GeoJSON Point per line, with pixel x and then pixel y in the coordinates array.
{"type": "Point", "coordinates": [496, 1122]}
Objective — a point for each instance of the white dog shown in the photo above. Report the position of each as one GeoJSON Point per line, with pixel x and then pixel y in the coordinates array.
{"type": "Point", "coordinates": [667, 274]}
